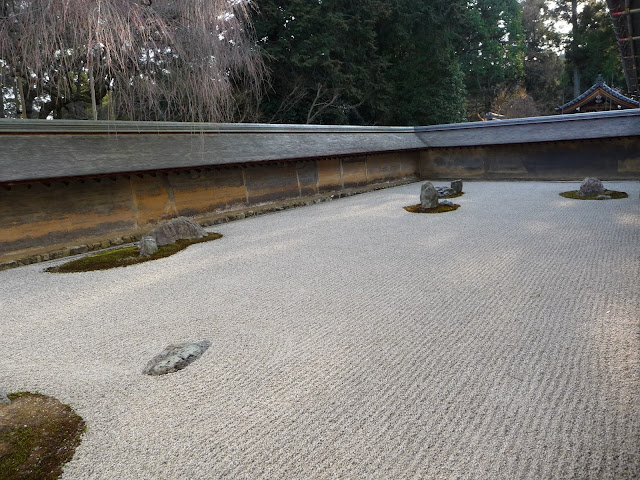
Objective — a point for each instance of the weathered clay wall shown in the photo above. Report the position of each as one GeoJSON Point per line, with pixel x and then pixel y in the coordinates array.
{"type": "Point", "coordinates": [40, 217]}
{"type": "Point", "coordinates": [605, 158]}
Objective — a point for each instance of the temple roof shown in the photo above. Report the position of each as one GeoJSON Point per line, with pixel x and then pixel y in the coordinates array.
{"type": "Point", "coordinates": [590, 95]}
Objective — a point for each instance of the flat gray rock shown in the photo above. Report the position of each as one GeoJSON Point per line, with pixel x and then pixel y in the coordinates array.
{"type": "Point", "coordinates": [591, 186]}
{"type": "Point", "coordinates": [174, 230]}
{"type": "Point", "coordinates": [428, 195]}
{"type": "Point", "coordinates": [176, 357]}
{"type": "Point", "coordinates": [4, 399]}
{"type": "Point", "coordinates": [446, 203]}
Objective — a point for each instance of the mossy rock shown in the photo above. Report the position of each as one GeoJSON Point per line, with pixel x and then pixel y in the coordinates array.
{"type": "Point", "coordinates": [38, 435]}
{"type": "Point", "coordinates": [123, 257]}
{"type": "Point", "coordinates": [455, 195]}
{"type": "Point", "coordinates": [611, 193]}
{"type": "Point", "coordinates": [439, 209]}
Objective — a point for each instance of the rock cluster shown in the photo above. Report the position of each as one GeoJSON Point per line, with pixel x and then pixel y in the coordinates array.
{"type": "Point", "coordinates": [176, 357]}
{"type": "Point", "coordinates": [429, 194]}
{"type": "Point", "coordinates": [170, 232]}
{"type": "Point", "coordinates": [454, 188]}
{"type": "Point", "coordinates": [591, 186]}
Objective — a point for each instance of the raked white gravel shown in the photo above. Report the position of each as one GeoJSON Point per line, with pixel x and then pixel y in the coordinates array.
{"type": "Point", "coordinates": [352, 339]}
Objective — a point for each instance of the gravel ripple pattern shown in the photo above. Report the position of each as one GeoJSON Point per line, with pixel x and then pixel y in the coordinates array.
{"type": "Point", "coordinates": [352, 339]}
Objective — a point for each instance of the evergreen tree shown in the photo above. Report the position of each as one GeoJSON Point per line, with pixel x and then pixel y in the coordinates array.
{"type": "Point", "coordinates": [322, 58]}
{"type": "Point", "coordinates": [494, 55]}
{"type": "Point", "coordinates": [597, 47]}
{"type": "Point", "coordinates": [368, 62]}
{"type": "Point", "coordinates": [543, 68]}
{"type": "Point", "coordinates": [424, 77]}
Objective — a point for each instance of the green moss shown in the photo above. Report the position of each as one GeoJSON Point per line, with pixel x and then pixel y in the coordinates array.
{"type": "Point", "coordinates": [439, 209]}
{"type": "Point", "coordinates": [576, 196]}
{"type": "Point", "coordinates": [21, 442]}
{"type": "Point", "coordinates": [38, 436]}
{"type": "Point", "coordinates": [16, 395]}
{"type": "Point", "coordinates": [122, 257]}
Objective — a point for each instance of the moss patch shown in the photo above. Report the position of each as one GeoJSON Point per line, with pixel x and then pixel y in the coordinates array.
{"type": "Point", "coordinates": [38, 435]}
{"type": "Point", "coordinates": [576, 196]}
{"type": "Point", "coordinates": [122, 257]}
{"type": "Point", "coordinates": [439, 209]}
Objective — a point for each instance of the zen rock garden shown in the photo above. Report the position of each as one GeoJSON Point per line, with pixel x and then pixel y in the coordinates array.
{"type": "Point", "coordinates": [430, 195]}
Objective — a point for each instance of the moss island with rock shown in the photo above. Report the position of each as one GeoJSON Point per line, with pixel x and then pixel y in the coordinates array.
{"type": "Point", "coordinates": [161, 242]}
{"type": "Point", "coordinates": [429, 195]}
{"type": "Point", "coordinates": [123, 257]}
{"type": "Point", "coordinates": [38, 435]}
{"type": "Point", "coordinates": [592, 189]}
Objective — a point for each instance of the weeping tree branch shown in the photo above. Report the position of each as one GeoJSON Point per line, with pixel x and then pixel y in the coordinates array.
{"type": "Point", "coordinates": [160, 59]}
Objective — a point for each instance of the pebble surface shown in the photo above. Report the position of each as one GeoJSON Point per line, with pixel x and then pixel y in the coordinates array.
{"type": "Point", "coordinates": [353, 339]}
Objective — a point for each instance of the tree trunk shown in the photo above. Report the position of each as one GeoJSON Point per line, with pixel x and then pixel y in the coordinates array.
{"type": "Point", "coordinates": [574, 47]}
{"type": "Point", "coordinates": [20, 92]}
{"type": "Point", "coordinates": [94, 107]}
{"type": "Point", "coordinates": [2, 112]}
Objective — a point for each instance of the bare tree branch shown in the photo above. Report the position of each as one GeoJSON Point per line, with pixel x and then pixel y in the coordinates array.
{"type": "Point", "coordinates": [291, 100]}
{"type": "Point", "coordinates": [321, 106]}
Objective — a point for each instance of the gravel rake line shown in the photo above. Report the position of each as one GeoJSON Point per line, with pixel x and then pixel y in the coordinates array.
{"type": "Point", "coordinates": [352, 339]}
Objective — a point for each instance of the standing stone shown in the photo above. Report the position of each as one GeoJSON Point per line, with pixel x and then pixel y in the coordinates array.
{"type": "Point", "coordinates": [174, 230]}
{"type": "Point", "coordinates": [4, 399]}
{"type": "Point", "coordinates": [591, 186]}
{"type": "Point", "coordinates": [456, 186]}
{"type": "Point", "coordinates": [148, 245]}
{"type": "Point", "coordinates": [428, 196]}
{"type": "Point", "coordinates": [176, 357]}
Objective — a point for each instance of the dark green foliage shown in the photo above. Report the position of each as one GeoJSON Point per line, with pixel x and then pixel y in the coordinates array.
{"type": "Point", "coordinates": [597, 47]}
{"type": "Point", "coordinates": [493, 58]}
{"type": "Point", "coordinates": [421, 62]}
{"type": "Point", "coordinates": [543, 68]}
{"type": "Point", "coordinates": [371, 62]}
{"type": "Point", "coordinates": [424, 77]}
{"type": "Point", "coordinates": [591, 46]}
{"type": "Point", "coordinates": [123, 257]}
